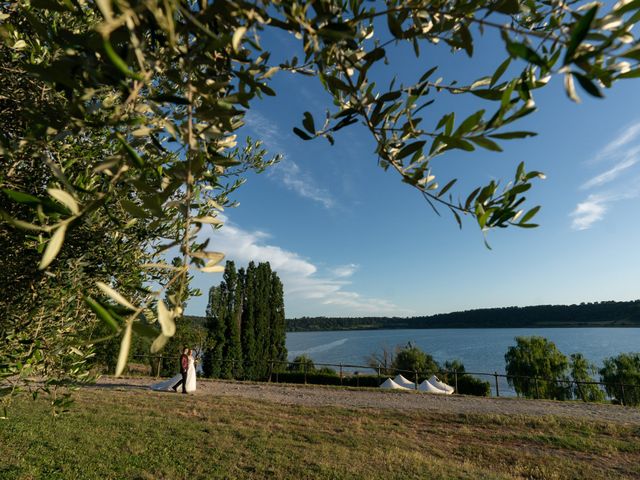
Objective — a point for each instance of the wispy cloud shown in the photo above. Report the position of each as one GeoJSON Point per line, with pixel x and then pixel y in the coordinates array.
{"type": "Point", "coordinates": [629, 159]}
{"type": "Point", "coordinates": [288, 172]}
{"type": "Point", "coordinates": [623, 153]}
{"type": "Point", "coordinates": [628, 135]}
{"type": "Point", "coordinates": [344, 271]}
{"type": "Point", "coordinates": [589, 212]}
{"type": "Point", "coordinates": [319, 290]}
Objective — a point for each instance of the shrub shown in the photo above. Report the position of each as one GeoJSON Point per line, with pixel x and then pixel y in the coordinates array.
{"type": "Point", "coordinates": [411, 358]}
{"type": "Point", "coordinates": [623, 369]}
{"type": "Point", "coordinates": [581, 371]}
{"type": "Point", "coordinates": [468, 385]}
{"type": "Point", "coordinates": [540, 358]}
{"type": "Point", "coordinates": [300, 362]}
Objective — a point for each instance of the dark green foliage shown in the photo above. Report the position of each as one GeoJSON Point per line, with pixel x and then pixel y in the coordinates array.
{"type": "Point", "coordinates": [620, 370]}
{"type": "Point", "coordinates": [247, 324]}
{"type": "Point", "coordinates": [245, 318]}
{"type": "Point", "coordinates": [540, 361]}
{"type": "Point", "coordinates": [582, 370]}
{"type": "Point", "coordinates": [278, 334]}
{"type": "Point", "coordinates": [231, 350]}
{"type": "Point", "coordinates": [468, 385]}
{"type": "Point", "coordinates": [213, 358]}
{"type": "Point", "coordinates": [411, 358]}
{"type": "Point", "coordinates": [302, 363]}
{"type": "Point", "coordinates": [598, 314]}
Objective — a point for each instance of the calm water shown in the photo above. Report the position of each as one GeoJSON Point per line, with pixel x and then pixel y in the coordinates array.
{"type": "Point", "coordinates": [481, 350]}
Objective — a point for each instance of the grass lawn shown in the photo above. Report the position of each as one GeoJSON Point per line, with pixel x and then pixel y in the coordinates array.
{"type": "Point", "coordinates": [136, 434]}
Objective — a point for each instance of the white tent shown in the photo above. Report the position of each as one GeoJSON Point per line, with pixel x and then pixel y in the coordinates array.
{"type": "Point", "coordinates": [425, 386]}
{"type": "Point", "coordinates": [435, 381]}
{"type": "Point", "coordinates": [400, 380]}
{"type": "Point", "coordinates": [388, 383]}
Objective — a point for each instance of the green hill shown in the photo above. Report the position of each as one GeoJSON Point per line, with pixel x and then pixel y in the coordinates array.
{"type": "Point", "coordinates": [599, 314]}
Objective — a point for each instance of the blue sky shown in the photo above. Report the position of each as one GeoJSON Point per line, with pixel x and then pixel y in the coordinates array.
{"type": "Point", "coordinates": [349, 239]}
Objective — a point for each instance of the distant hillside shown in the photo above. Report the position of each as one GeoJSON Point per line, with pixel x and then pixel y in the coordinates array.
{"type": "Point", "coordinates": [599, 314]}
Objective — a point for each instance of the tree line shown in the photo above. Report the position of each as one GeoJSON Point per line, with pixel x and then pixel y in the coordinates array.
{"type": "Point", "coordinates": [245, 321]}
{"type": "Point", "coordinates": [536, 368]}
{"type": "Point", "coordinates": [597, 314]}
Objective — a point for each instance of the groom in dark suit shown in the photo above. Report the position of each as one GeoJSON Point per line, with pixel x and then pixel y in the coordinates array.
{"type": "Point", "coordinates": [184, 367]}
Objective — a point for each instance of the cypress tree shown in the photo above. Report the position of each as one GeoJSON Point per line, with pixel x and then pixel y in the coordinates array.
{"type": "Point", "coordinates": [262, 318]}
{"type": "Point", "coordinates": [247, 324]}
{"type": "Point", "coordinates": [232, 352]}
{"type": "Point", "coordinates": [277, 320]}
{"type": "Point", "coordinates": [246, 321]}
{"type": "Point", "coordinates": [215, 324]}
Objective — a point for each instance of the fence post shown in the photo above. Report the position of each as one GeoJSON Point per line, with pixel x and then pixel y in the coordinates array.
{"type": "Point", "coordinates": [535, 379]}
{"type": "Point", "coordinates": [270, 370]}
{"type": "Point", "coordinates": [378, 374]}
{"type": "Point", "coordinates": [455, 376]}
{"type": "Point", "coordinates": [624, 402]}
{"type": "Point", "coordinates": [495, 374]}
{"type": "Point", "coordinates": [340, 373]}
{"type": "Point", "coordinates": [158, 369]}
{"type": "Point", "coordinates": [415, 374]}
{"type": "Point", "coordinates": [305, 372]}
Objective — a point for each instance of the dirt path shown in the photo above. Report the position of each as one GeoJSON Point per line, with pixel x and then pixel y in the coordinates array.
{"type": "Point", "coordinates": [315, 396]}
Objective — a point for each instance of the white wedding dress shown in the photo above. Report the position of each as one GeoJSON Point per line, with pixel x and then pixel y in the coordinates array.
{"type": "Point", "coordinates": [191, 380]}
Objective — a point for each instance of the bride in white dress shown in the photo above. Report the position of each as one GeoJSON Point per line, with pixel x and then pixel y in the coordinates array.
{"type": "Point", "coordinates": [167, 385]}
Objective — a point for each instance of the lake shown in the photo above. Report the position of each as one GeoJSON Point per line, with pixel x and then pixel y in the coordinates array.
{"type": "Point", "coordinates": [480, 350]}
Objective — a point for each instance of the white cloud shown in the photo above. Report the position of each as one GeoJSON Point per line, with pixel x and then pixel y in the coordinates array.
{"type": "Point", "coordinates": [287, 171]}
{"type": "Point", "coordinates": [628, 135]}
{"type": "Point", "coordinates": [313, 292]}
{"type": "Point", "coordinates": [609, 175]}
{"type": "Point", "coordinates": [588, 212]}
{"type": "Point", "coordinates": [624, 153]}
{"type": "Point", "coordinates": [344, 271]}
{"type": "Point", "coordinates": [294, 179]}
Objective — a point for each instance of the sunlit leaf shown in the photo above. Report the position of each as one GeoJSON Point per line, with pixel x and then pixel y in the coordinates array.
{"type": "Point", "coordinates": [102, 314]}
{"type": "Point", "coordinates": [53, 247]}
{"type": "Point", "coordinates": [159, 343]}
{"type": "Point", "coordinates": [65, 198]}
{"type": "Point", "coordinates": [110, 292]}
{"type": "Point", "coordinates": [166, 320]}
{"type": "Point", "coordinates": [237, 37]}
{"type": "Point", "coordinates": [125, 346]}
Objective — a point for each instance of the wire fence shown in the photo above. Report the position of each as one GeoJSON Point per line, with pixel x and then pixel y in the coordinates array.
{"type": "Point", "coordinates": [500, 384]}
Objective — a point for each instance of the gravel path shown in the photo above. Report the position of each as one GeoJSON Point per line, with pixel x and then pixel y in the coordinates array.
{"type": "Point", "coordinates": [316, 396]}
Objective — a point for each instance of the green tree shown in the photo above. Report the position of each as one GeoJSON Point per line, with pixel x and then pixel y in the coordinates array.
{"type": "Point", "coordinates": [247, 325]}
{"type": "Point", "coordinates": [302, 363]}
{"type": "Point", "coordinates": [411, 358]}
{"type": "Point", "coordinates": [216, 328]}
{"type": "Point", "coordinates": [582, 370]}
{"type": "Point", "coordinates": [619, 371]}
{"type": "Point", "coordinates": [533, 367]}
{"type": "Point", "coordinates": [232, 350]}
{"type": "Point", "coordinates": [278, 334]}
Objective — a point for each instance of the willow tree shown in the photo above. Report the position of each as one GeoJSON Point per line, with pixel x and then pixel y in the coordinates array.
{"type": "Point", "coordinates": [164, 86]}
